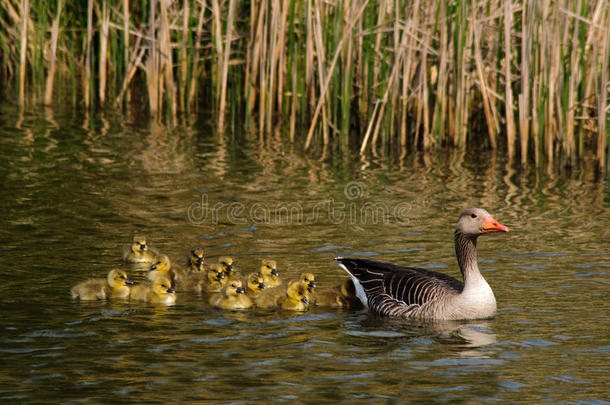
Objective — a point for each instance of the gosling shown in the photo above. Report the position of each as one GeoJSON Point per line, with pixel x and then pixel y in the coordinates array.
{"type": "Point", "coordinates": [160, 292]}
{"type": "Point", "coordinates": [232, 298]}
{"type": "Point", "coordinates": [116, 285]}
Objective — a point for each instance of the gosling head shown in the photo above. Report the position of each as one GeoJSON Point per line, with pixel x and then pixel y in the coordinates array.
{"type": "Point", "coordinates": [308, 280]}
{"type": "Point", "coordinates": [269, 267]}
{"type": "Point", "coordinates": [227, 265]}
{"type": "Point", "coordinates": [215, 273]}
{"type": "Point", "coordinates": [118, 278]}
{"type": "Point", "coordinates": [162, 286]}
{"type": "Point", "coordinates": [197, 259]}
{"type": "Point", "coordinates": [139, 244]}
{"type": "Point", "coordinates": [234, 289]}
{"type": "Point", "coordinates": [255, 282]}
{"type": "Point", "coordinates": [298, 292]}
{"type": "Point", "coordinates": [162, 264]}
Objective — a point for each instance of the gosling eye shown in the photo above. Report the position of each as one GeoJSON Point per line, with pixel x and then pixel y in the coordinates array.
{"type": "Point", "coordinates": [473, 215]}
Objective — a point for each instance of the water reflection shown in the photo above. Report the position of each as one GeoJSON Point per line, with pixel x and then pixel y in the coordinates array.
{"type": "Point", "coordinates": [76, 188]}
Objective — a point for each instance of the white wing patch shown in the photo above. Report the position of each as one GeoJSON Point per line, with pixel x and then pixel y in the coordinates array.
{"type": "Point", "coordinates": [359, 289]}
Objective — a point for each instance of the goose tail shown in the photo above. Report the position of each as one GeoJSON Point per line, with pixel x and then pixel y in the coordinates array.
{"type": "Point", "coordinates": [345, 265]}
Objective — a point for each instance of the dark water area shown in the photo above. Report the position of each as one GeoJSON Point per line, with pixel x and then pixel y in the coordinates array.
{"type": "Point", "coordinates": [76, 188]}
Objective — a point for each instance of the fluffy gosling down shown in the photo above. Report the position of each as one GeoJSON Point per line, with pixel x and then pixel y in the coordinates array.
{"type": "Point", "coordinates": [211, 281]}
{"type": "Point", "coordinates": [226, 263]}
{"type": "Point", "coordinates": [139, 252]}
{"type": "Point", "coordinates": [196, 262]}
{"type": "Point", "coordinates": [163, 268]}
{"type": "Point", "coordinates": [255, 283]}
{"type": "Point", "coordinates": [308, 280]}
{"type": "Point", "coordinates": [341, 296]}
{"type": "Point", "coordinates": [233, 297]}
{"type": "Point", "coordinates": [270, 274]}
{"type": "Point", "coordinates": [115, 285]}
{"type": "Point", "coordinates": [295, 297]}
{"type": "Point", "coordinates": [160, 292]}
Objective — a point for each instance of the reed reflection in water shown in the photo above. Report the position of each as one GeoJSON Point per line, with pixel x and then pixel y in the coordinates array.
{"type": "Point", "coordinates": [76, 189]}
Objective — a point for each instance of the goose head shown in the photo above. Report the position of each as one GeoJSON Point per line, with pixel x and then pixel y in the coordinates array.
{"type": "Point", "coordinates": [308, 280]}
{"type": "Point", "coordinates": [297, 292]}
{"type": "Point", "coordinates": [162, 286]}
{"type": "Point", "coordinates": [234, 288]}
{"type": "Point", "coordinates": [474, 222]}
{"type": "Point", "coordinates": [118, 278]}
{"type": "Point", "coordinates": [139, 244]}
{"type": "Point", "coordinates": [269, 268]}
{"type": "Point", "coordinates": [255, 282]}
{"type": "Point", "coordinates": [197, 259]}
{"type": "Point", "coordinates": [215, 273]}
{"type": "Point", "coordinates": [163, 264]}
{"type": "Point", "coordinates": [227, 265]}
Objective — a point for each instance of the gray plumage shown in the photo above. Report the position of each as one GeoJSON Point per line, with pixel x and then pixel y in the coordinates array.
{"type": "Point", "coordinates": [409, 292]}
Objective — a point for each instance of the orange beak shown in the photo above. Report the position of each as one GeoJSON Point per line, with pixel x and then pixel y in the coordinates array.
{"type": "Point", "coordinates": [491, 225]}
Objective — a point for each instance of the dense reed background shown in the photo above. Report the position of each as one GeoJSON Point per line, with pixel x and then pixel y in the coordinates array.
{"type": "Point", "coordinates": [529, 77]}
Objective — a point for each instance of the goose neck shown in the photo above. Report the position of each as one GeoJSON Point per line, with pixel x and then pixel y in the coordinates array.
{"type": "Point", "coordinates": [466, 252]}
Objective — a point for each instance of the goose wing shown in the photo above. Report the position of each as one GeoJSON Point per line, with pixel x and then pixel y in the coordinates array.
{"type": "Point", "coordinates": [392, 290]}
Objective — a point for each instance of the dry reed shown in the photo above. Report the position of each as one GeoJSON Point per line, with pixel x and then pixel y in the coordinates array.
{"type": "Point", "coordinates": [527, 77]}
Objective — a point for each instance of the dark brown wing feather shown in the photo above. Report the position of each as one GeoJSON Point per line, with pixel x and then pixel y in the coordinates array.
{"type": "Point", "coordinates": [397, 290]}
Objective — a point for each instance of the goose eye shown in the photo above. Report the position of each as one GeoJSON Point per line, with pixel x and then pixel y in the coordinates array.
{"type": "Point", "coordinates": [473, 215]}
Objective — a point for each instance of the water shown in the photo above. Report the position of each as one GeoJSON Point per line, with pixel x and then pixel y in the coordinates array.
{"type": "Point", "coordinates": [76, 188]}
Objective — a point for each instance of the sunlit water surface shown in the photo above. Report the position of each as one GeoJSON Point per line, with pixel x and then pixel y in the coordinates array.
{"type": "Point", "coordinates": [76, 188]}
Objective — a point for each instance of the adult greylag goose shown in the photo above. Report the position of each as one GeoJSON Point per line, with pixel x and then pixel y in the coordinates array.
{"type": "Point", "coordinates": [408, 292]}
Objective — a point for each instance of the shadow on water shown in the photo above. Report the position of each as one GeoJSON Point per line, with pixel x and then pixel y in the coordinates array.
{"type": "Point", "coordinates": [77, 187]}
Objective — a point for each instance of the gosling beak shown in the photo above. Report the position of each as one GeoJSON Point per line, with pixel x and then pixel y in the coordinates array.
{"type": "Point", "coordinates": [220, 275]}
{"type": "Point", "coordinates": [274, 272]}
{"type": "Point", "coordinates": [229, 268]}
{"type": "Point", "coordinates": [171, 290]}
{"type": "Point", "coordinates": [312, 284]}
{"type": "Point", "coordinates": [128, 282]}
{"type": "Point", "coordinates": [153, 267]}
{"type": "Point", "coordinates": [200, 260]}
{"type": "Point", "coordinates": [490, 225]}
{"type": "Point", "coordinates": [240, 290]}
{"type": "Point", "coordinates": [143, 247]}
{"type": "Point", "coordinates": [261, 285]}
{"type": "Point", "coordinates": [305, 300]}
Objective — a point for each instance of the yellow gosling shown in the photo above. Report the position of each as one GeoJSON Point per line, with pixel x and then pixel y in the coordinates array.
{"type": "Point", "coordinates": [139, 252]}
{"type": "Point", "coordinates": [196, 263]}
{"type": "Point", "coordinates": [162, 268]}
{"type": "Point", "coordinates": [296, 297]}
{"type": "Point", "coordinates": [341, 296]}
{"type": "Point", "coordinates": [160, 292]}
{"type": "Point", "coordinates": [115, 285]}
{"type": "Point", "coordinates": [287, 298]}
{"type": "Point", "coordinates": [231, 298]}
{"type": "Point", "coordinates": [226, 263]}
{"type": "Point", "coordinates": [270, 274]}
{"type": "Point", "coordinates": [255, 283]}
{"type": "Point", "coordinates": [308, 280]}
{"type": "Point", "coordinates": [215, 279]}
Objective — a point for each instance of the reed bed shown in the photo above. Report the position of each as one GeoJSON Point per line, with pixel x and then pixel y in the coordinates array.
{"type": "Point", "coordinates": [528, 77]}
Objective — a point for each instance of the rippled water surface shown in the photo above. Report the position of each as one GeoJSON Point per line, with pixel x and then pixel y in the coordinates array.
{"type": "Point", "coordinates": [75, 188]}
